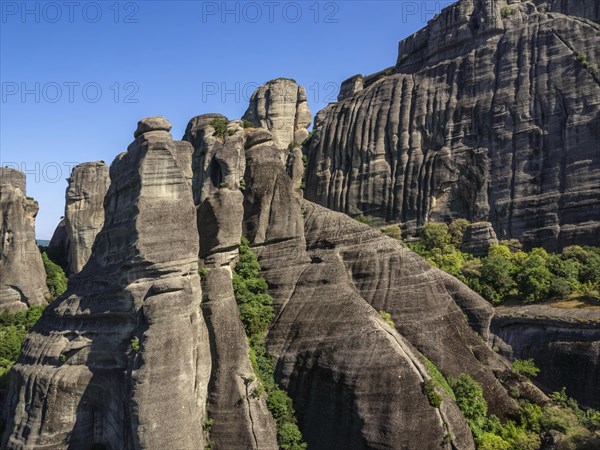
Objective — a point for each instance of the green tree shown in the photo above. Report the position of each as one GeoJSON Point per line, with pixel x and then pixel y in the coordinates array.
{"type": "Point", "coordinates": [457, 229]}
{"type": "Point", "coordinates": [497, 270]}
{"type": "Point", "coordinates": [470, 400]}
{"type": "Point", "coordinates": [534, 278]}
{"type": "Point", "coordinates": [435, 235]}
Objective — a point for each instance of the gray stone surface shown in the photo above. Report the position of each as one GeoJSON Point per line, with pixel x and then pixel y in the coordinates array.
{"type": "Point", "coordinates": [564, 343]}
{"type": "Point", "coordinates": [22, 274]}
{"type": "Point", "coordinates": [477, 239]}
{"type": "Point", "coordinates": [356, 381]}
{"type": "Point", "coordinates": [84, 211]}
{"type": "Point", "coordinates": [241, 418]}
{"type": "Point", "coordinates": [155, 123]}
{"type": "Point", "coordinates": [79, 380]}
{"type": "Point", "coordinates": [487, 115]}
{"type": "Point", "coordinates": [280, 106]}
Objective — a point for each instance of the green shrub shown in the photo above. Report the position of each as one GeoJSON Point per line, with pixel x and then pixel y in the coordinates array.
{"type": "Point", "coordinates": [56, 280]}
{"type": "Point", "coordinates": [220, 126]}
{"type": "Point", "coordinates": [438, 378]}
{"type": "Point", "coordinates": [506, 12]}
{"type": "Point", "coordinates": [435, 235]}
{"type": "Point", "coordinates": [242, 184]}
{"type": "Point", "coordinates": [247, 124]}
{"type": "Point", "coordinates": [388, 318]}
{"type": "Point", "coordinates": [457, 230]}
{"type": "Point", "coordinates": [525, 367]}
{"type": "Point", "coordinates": [392, 231]}
{"type": "Point", "coordinates": [470, 401]}
{"type": "Point", "coordinates": [203, 272]}
{"type": "Point", "coordinates": [256, 313]}
{"type": "Point", "coordinates": [362, 219]}
{"type": "Point", "coordinates": [433, 397]}
{"type": "Point", "coordinates": [135, 344]}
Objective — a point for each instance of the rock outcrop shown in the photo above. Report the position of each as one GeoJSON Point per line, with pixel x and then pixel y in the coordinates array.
{"type": "Point", "coordinates": [564, 343]}
{"type": "Point", "coordinates": [84, 211]}
{"type": "Point", "coordinates": [122, 359]}
{"type": "Point", "coordinates": [22, 274]}
{"type": "Point", "coordinates": [478, 238]}
{"type": "Point", "coordinates": [490, 113]}
{"type": "Point", "coordinates": [280, 106]}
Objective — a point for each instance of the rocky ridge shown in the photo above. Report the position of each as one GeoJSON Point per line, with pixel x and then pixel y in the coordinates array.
{"type": "Point", "coordinates": [490, 114]}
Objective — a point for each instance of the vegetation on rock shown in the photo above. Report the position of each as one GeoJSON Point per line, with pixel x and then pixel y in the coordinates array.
{"type": "Point", "coordinates": [507, 272]}
{"type": "Point", "coordinates": [55, 277]}
{"type": "Point", "coordinates": [256, 313]}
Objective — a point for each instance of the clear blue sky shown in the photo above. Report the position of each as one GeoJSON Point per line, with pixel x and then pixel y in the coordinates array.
{"type": "Point", "coordinates": [77, 78]}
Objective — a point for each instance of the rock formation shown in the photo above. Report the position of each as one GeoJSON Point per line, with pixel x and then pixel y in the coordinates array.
{"type": "Point", "coordinates": [22, 274]}
{"type": "Point", "coordinates": [490, 113]}
{"type": "Point", "coordinates": [564, 343]}
{"type": "Point", "coordinates": [84, 211]}
{"type": "Point", "coordinates": [478, 238]}
{"type": "Point", "coordinates": [136, 355]}
{"type": "Point", "coordinates": [280, 106]}
{"type": "Point", "coordinates": [328, 374]}
{"type": "Point", "coordinates": [122, 359]}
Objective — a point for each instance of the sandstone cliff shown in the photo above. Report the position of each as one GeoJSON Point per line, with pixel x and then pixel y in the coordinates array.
{"type": "Point", "coordinates": [280, 106]}
{"type": "Point", "coordinates": [122, 359]}
{"type": "Point", "coordinates": [491, 113]}
{"type": "Point", "coordinates": [22, 274]}
{"type": "Point", "coordinates": [84, 211]}
{"type": "Point", "coordinates": [564, 343]}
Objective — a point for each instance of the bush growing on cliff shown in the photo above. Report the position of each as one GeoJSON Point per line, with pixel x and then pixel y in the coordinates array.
{"type": "Point", "coordinates": [13, 328]}
{"type": "Point", "coordinates": [56, 280]}
{"type": "Point", "coordinates": [525, 367]}
{"type": "Point", "coordinates": [256, 312]}
{"type": "Point", "coordinates": [507, 272]}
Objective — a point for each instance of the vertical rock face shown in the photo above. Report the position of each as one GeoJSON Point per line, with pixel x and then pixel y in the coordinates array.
{"type": "Point", "coordinates": [280, 106]}
{"type": "Point", "coordinates": [564, 343]}
{"type": "Point", "coordinates": [84, 211]}
{"type": "Point", "coordinates": [355, 380]}
{"type": "Point", "coordinates": [22, 274]}
{"type": "Point", "coordinates": [478, 238]}
{"type": "Point", "coordinates": [491, 114]}
{"type": "Point", "coordinates": [241, 420]}
{"type": "Point", "coordinates": [122, 359]}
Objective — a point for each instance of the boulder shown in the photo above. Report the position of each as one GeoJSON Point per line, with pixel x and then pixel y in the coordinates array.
{"type": "Point", "coordinates": [478, 238]}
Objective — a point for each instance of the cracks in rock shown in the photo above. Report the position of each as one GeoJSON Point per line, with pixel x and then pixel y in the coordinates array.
{"type": "Point", "coordinates": [249, 406]}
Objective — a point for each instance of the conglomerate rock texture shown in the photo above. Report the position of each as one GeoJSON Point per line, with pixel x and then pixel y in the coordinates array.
{"type": "Point", "coordinates": [84, 211]}
{"type": "Point", "coordinates": [564, 343]}
{"type": "Point", "coordinates": [22, 274]}
{"type": "Point", "coordinates": [122, 359]}
{"type": "Point", "coordinates": [491, 113]}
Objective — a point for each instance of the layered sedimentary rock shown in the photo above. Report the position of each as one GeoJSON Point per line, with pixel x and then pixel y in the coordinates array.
{"type": "Point", "coordinates": [122, 359]}
{"type": "Point", "coordinates": [84, 211]}
{"type": "Point", "coordinates": [478, 238]}
{"type": "Point", "coordinates": [280, 106]}
{"type": "Point", "coordinates": [22, 274]}
{"type": "Point", "coordinates": [240, 418]}
{"type": "Point", "coordinates": [355, 380]}
{"type": "Point", "coordinates": [564, 343]}
{"type": "Point", "coordinates": [490, 113]}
